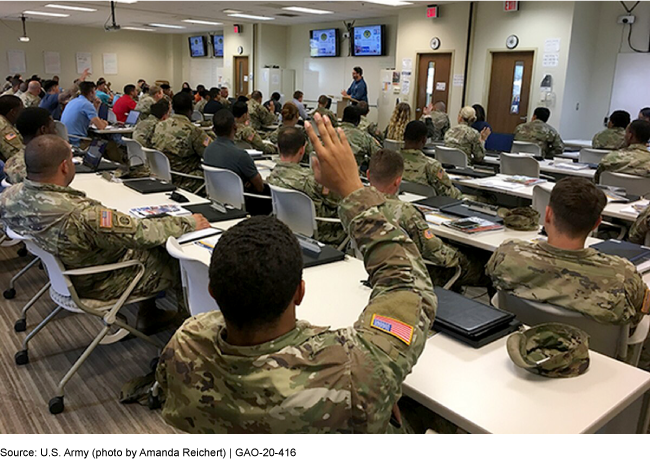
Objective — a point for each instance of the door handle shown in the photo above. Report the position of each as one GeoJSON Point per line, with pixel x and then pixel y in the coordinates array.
{"type": "Point", "coordinates": [523, 118]}
{"type": "Point", "coordinates": [418, 110]}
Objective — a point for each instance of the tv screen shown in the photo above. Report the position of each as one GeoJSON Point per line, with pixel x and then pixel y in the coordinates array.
{"type": "Point", "coordinates": [217, 45]}
{"type": "Point", "coordinates": [324, 43]}
{"type": "Point", "coordinates": [198, 46]}
{"type": "Point", "coordinates": [369, 40]}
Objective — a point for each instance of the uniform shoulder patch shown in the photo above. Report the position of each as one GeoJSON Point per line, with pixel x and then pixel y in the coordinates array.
{"type": "Point", "coordinates": [428, 234]}
{"type": "Point", "coordinates": [440, 174]}
{"type": "Point", "coordinates": [206, 141]}
{"type": "Point", "coordinates": [251, 137]}
{"type": "Point", "coordinates": [645, 308]}
{"type": "Point", "coordinates": [106, 218]}
{"type": "Point", "coordinates": [10, 136]}
{"type": "Point", "coordinates": [391, 326]}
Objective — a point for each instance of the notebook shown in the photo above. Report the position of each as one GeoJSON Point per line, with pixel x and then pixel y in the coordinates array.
{"type": "Point", "coordinates": [437, 202]}
{"type": "Point", "coordinates": [149, 185]}
{"type": "Point", "coordinates": [635, 253]}
{"type": "Point", "coordinates": [473, 225]}
{"type": "Point", "coordinates": [215, 213]}
{"type": "Point", "coordinates": [471, 209]}
{"type": "Point", "coordinates": [469, 172]}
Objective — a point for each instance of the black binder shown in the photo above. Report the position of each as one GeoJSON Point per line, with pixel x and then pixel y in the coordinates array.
{"type": "Point", "coordinates": [104, 165]}
{"type": "Point", "coordinates": [212, 214]}
{"type": "Point", "coordinates": [470, 321]}
{"type": "Point", "coordinates": [437, 202]}
{"type": "Point", "coordinates": [149, 185]}
{"type": "Point", "coordinates": [463, 210]}
{"type": "Point", "coordinates": [327, 255]}
{"type": "Point", "coordinates": [416, 189]}
{"type": "Point", "coordinates": [469, 172]}
{"type": "Point", "coordinates": [637, 254]}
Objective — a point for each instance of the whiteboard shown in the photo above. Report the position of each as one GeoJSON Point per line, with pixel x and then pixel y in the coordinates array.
{"type": "Point", "coordinates": [206, 72]}
{"type": "Point", "coordinates": [631, 90]}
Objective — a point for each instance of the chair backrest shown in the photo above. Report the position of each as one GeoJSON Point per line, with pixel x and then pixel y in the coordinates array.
{"type": "Point", "coordinates": [450, 156]}
{"type": "Point", "coordinates": [526, 147]}
{"type": "Point", "coordinates": [197, 116]}
{"type": "Point", "coordinates": [61, 130]}
{"type": "Point", "coordinates": [608, 339]}
{"type": "Point", "coordinates": [591, 155]}
{"type": "Point", "coordinates": [541, 198]}
{"type": "Point", "coordinates": [393, 144]}
{"type": "Point", "coordinates": [158, 164]}
{"type": "Point", "coordinates": [243, 145]}
{"type": "Point", "coordinates": [208, 116]}
{"type": "Point", "coordinates": [195, 277]}
{"type": "Point", "coordinates": [135, 153]}
{"type": "Point", "coordinates": [513, 164]}
{"type": "Point", "coordinates": [647, 239]}
{"type": "Point", "coordinates": [633, 185]}
{"type": "Point", "coordinates": [224, 186]}
{"type": "Point", "coordinates": [111, 118]}
{"type": "Point", "coordinates": [295, 209]}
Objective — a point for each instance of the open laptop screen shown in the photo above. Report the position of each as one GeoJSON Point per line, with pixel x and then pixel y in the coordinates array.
{"type": "Point", "coordinates": [132, 118]}
{"type": "Point", "coordinates": [94, 154]}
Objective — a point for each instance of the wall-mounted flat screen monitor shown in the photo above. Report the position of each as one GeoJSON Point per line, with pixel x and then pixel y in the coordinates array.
{"type": "Point", "coordinates": [217, 45]}
{"type": "Point", "coordinates": [324, 43]}
{"type": "Point", "coordinates": [198, 46]}
{"type": "Point", "coordinates": [369, 40]}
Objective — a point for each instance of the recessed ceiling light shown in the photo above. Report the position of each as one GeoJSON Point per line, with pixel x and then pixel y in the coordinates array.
{"type": "Point", "coordinates": [143, 29]}
{"type": "Point", "coordinates": [43, 13]}
{"type": "Point", "coordinates": [71, 8]}
{"type": "Point", "coordinates": [207, 23]}
{"type": "Point", "coordinates": [165, 26]}
{"type": "Point", "coordinates": [251, 16]}
{"type": "Point", "coordinates": [300, 9]}
{"type": "Point", "coordinates": [389, 2]}
{"type": "Point", "coordinates": [232, 11]}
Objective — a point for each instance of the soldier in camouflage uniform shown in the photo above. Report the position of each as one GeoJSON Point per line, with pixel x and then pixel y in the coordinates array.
{"type": "Point", "coordinates": [31, 123]}
{"type": "Point", "coordinates": [366, 125]}
{"type": "Point", "coordinates": [225, 102]}
{"type": "Point", "coordinates": [246, 133]}
{"type": "Point", "coordinates": [363, 144]}
{"type": "Point", "coordinates": [83, 233]}
{"type": "Point", "coordinates": [613, 138]}
{"type": "Point", "coordinates": [145, 129]}
{"type": "Point", "coordinates": [289, 174]}
{"type": "Point", "coordinates": [290, 117]}
{"type": "Point", "coordinates": [561, 271]}
{"type": "Point", "coordinates": [420, 169]}
{"type": "Point", "coordinates": [31, 98]}
{"type": "Point", "coordinates": [11, 142]}
{"type": "Point", "coordinates": [437, 121]}
{"type": "Point", "coordinates": [295, 377]}
{"type": "Point", "coordinates": [641, 227]}
{"type": "Point", "coordinates": [323, 109]}
{"type": "Point", "coordinates": [259, 115]}
{"type": "Point", "coordinates": [465, 138]}
{"type": "Point", "coordinates": [539, 132]}
{"type": "Point", "coordinates": [144, 104]}
{"type": "Point", "coordinates": [205, 98]}
{"type": "Point", "coordinates": [182, 142]}
{"type": "Point", "coordinates": [633, 159]}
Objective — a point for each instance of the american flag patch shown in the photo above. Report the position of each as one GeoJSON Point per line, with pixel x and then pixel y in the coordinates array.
{"type": "Point", "coordinates": [398, 329]}
{"type": "Point", "coordinates": [106, 220]}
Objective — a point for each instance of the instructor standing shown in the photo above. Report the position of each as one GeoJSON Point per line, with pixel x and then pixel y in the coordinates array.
{"type": "Point", "coordinates": [358, 91]}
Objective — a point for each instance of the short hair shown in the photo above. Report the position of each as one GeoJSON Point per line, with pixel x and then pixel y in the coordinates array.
{"type": "Point", "coordinates": [160, 108]}
{"type": "Point", "coordinates": [416, 131]}
{"type": "Point", "coordinates": [640, 129]}
{"type": "Point", "coordinates": [289, 111]}
{"type": "Point", "coordinates": [8, 102]}
{"type": "Point", "coordinates": [222, 122]}
{"type": "Point", "coordinates": [239, 109]}
{"type": "Point", "coordinates": [200, 87]}
{"type": "Point", "coordinates": [542, 113]}
{"type": "Point", "coordinates": [141, 81]}
{"type": "Point", "coordinates": [468, 114]}
{"type": "Point", "coordinates": [16, 82]}
{"type": "Point", "coordinates": [101, 81]}
{"type": "Point", "coordinates": [214, 92]}
{"type": "Point", "coordinates": [385, 166]}
{"type": "Point", "coordinates": [241, 99]}
{"type": "Point", "coordinates": [31, 120]}
{"type": "Point", "coordinates": [645, 112]}
{"type": "Point", "coordinates": [276, 96]}
{"type": "Point", "coordinates": [364, 108]}
{"type": "Point", "coordinates": [352, 114]}
{"type": "Point", "coordinates": [358, 70]}
{"type": "Point", "coordinates": [185, 89]}
{"type": "Point", "coordinates": [44, 154]}
{"type": "Point", "coordinates": [620, 118]}
{"type": "Point", "coordinates": [49, 84]}
{"type": "Point", "coordinates": [324, 100]}
{"type": "Point", "coordinates": [129, 88]}
{"type": "Point", "coordinates": [165, 86]}
{"type": "Point", "coordinates": [577, 205]}
{"type": "Point", "coordinates": [182, 102]}
{"type": "Point", "coordinates": [290, 140]}
{"type": "Point", "coordinates": [298, 94]}
{"type": "Point", "coordinates": [203, 93]}
{"type": "Point", "coordinates": [480, 112]}
{"type": "Point", "coordinates": [154, 89]}
{"type": "Point", "coordinates": [255, 270]}
{"type": "Point", "coordinates": [87, 87]}
{"type": "Point", "coordinates": [257, 95]}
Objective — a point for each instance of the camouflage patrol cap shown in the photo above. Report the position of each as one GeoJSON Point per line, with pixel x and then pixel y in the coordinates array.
{"type": "Point", "coordinates": [523, 219]}
{"type": "Point", "coordinates": [551, 350]}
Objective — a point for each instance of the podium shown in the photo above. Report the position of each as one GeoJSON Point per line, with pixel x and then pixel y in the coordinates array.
{"type": "Point", "coordinates": [341, 104]}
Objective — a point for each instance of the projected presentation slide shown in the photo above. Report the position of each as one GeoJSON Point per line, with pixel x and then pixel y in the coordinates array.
{"type": "Point", "coordinates": [324, 43]}
{"type": "Point", "coordinates": [368, 41]}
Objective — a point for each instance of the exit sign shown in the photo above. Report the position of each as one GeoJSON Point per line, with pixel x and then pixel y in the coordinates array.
{"type": "Point", "coordinates": [432, 11]}
{"type": "Point", "coordinates": [510, 6]}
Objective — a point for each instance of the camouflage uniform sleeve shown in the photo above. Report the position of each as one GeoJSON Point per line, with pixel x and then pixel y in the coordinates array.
{"type": "Point", "coordinates": [254, 139]}
{"type": "Point", "coordinates": [402, 292]}
{"type": "Point", "coordinates": [478, 150]}
{"type": "Point", "coordinates": [439, 180]}
{"type": "Point", "coordinates": [10, 144]}
{"type": "Point", "coordinates": [200, 140]}
{"type": "Point", "coordinates": [113, 229]}
{"type": "Point", "coordinates": [266, 117]}
{"type": "Point", "coordinates": [635, 292]}
{"type": "Point", "coordinates": [609, 162]}
{"type": "Point", "coordinates": [373, 145]}
{"type": "Point", "coordinates": [493, 267]}
{"type": "Point", "coordinates": [432, 248]}
{"type": "Point", "coordinates": [595, 142]}
{"type": "Point", "coordinates": [557, 146]}
{"type": "Point", "coordinates": [640, 227]}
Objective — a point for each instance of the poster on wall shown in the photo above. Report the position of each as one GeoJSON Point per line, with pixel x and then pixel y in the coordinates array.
{"type": "Point", "coordinates": [110, 63]}
{"type": "Point", "coordinates": [52, 62]}
{"type": "Point", "coordinates": [84, 61]}
{"type": "Point", "coordinates": [16, 61]}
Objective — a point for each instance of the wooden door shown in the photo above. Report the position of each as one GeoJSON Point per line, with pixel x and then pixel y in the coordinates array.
{"type": "Point", "coordinates": [509, 90]}
{"type": "Point", "coordinates": [432, 79]}
{"type": "Point", "coordinates": [241, 76]}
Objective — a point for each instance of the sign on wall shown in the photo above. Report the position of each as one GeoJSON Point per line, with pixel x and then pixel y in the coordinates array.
{"type": "Point", "coordinates": [110, 63]}
{"type": "Point", "coordinates": [52, 61]}
{"type": "Point", "coordinates": [16, 61]}
{"type": "Point", "coordinates": [84, 61]}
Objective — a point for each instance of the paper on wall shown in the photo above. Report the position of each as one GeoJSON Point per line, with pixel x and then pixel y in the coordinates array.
{"type": "Point", "coordinates": [275, 79]}
{"type": "Point", "coordinates": [550, 60]}
{"type": "Point", "coordinates": [52, 61]}
{"type": "Point", "coordinates": [459, 79]}
{"type": "Point", "coordinates": [441, 86]}
{"type": "Point", "coordinates": [407, 64]}
{"type": "Point", "coordinates": [552, 45]}
{"type": "Point", "coordinates": [84, 61]}
{"type": "Point", "coordinates": [406, 86]}
{"type": "Point", "coordinates": [16, 61]}
{"type": "Point", "coordinates": [110, 63]}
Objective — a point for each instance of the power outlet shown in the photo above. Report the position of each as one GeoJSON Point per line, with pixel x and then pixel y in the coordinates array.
{"type": "Point", "coordinates": [626, 19]}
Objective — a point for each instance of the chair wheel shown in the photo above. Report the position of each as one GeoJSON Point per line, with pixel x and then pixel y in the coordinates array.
{"type": "Point", "coordinates": [9, 293]}
{"type": "Point", "coordinates": [56, 405]}
{"type": "Point", "coordinates": [22, 357]}
{"type": "Point", "coordinates": [22, 252]}
{"type": "Point", "coordinates": [20, 325]}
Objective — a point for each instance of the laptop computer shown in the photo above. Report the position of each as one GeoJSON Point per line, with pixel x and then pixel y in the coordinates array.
{"type": "Point", "coordinates": [635, 253]}
{"type": "Point", "coordinates": [149, 185]}
{"type": "Point", "coordinates": [216, 212]}
{"type": "Point", "coordinates": [498, 142]}
{"type": "Point", "coordinates": [472, 209]}
{"type": "Point", "coordinates": [315, 253]}
{"type": "Point", "coordinates": [92, 161]}
{"type": "Point", "coordinates": [102, 112]}
{"type": "Point", "coordinates": [132, 118]}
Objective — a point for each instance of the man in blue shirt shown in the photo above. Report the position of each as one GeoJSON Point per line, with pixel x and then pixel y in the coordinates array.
{"type": "Point", "coordinates": [358, 91]}
{"type": "Point", "coordinates": [81, 112]}
{"type": "Point", "coordinates": [297, 100]}
{"type": "Point", "coordinates": [51, 100]}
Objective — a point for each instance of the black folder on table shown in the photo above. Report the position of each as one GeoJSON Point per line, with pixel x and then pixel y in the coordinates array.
{"type": "Point", "coordinates": [437, 202]}
{"type": "Point", "coordinates": [328, 254]}
{"type": "Point", "coordinates": [635, 253]}
{"type": "Point", "coordinates": [470, 321]}
{"type": "Point", "coordinates": [213, 214]}
{"type": "Point", "coordinates": [104, 165]}
{"type": "Point", "coordinates": [416, 189]}
{"type": "Point", "coordinates": [149, 185]}
{"type": "Point", "coordinates": [463, 210]}
{"type": "Point", "coordinates": [469, 172]}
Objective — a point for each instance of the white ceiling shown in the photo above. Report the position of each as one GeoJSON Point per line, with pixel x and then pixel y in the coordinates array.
{"type": "Point", "coordinates": [141, 13]}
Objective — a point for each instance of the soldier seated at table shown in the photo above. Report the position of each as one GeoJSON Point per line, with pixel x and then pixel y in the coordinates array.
{"type": "Point", "coordinates": [363, 144]}
{"type": "Point", "coordinates": [144, 130]}
{"type": "Point", "coordinates": [246, 133]}
{"type": "Point", "coordinates": [613, 137]}
{"type": "Point", "coordinates": [539, 132]}
{"type": "Point", "coordinates": [634, 158]}
{"type": "Point", "coordinates": [82, 232]}
{"type": "Point", "coordinates": [259, 115]}
{"type": "Point", "coordinates": [465, 138]}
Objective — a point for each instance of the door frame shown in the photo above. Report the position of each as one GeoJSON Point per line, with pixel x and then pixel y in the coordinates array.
{"type": "Point", "coordinates": [415, 88]}
{"type": "Point", "coordinates": [234, 72]}
{"type": "Point", "coordinates": [532, 103]}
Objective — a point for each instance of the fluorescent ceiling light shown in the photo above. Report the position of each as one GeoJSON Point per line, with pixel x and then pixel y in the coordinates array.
{"type": "Point", "coordinates": [251, 16]}
{"type": "Point", "coordinates": [232, 11]}
{"type": "Point", "coordinates": [126, 1]}
{"type": "Point", "coordinates": [300, 9]}
{"type": "Point", "coordinates": [389, 2]}
{"type": "Point", "coordinates": [71, 8]}
{"type": "Point", "coordinates": [143, 29]}
{"type": "Point", "coordinates": [207, 23]}
{"type": "Point", "coordinates": [165, 26]}
{"type": "Point", "coordinates": [42, 13]}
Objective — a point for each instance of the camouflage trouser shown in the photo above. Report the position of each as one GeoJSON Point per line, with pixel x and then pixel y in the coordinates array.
{"type": "Point", "coordinates": [472, 264]}
{"type": "Point", "coordinates": [331, 233]}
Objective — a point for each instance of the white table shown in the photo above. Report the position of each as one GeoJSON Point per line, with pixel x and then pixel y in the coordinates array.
{"type": "Point", "coordinates": [578, 143]}
{"type": "Point", "coordinates": [550, 166]}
